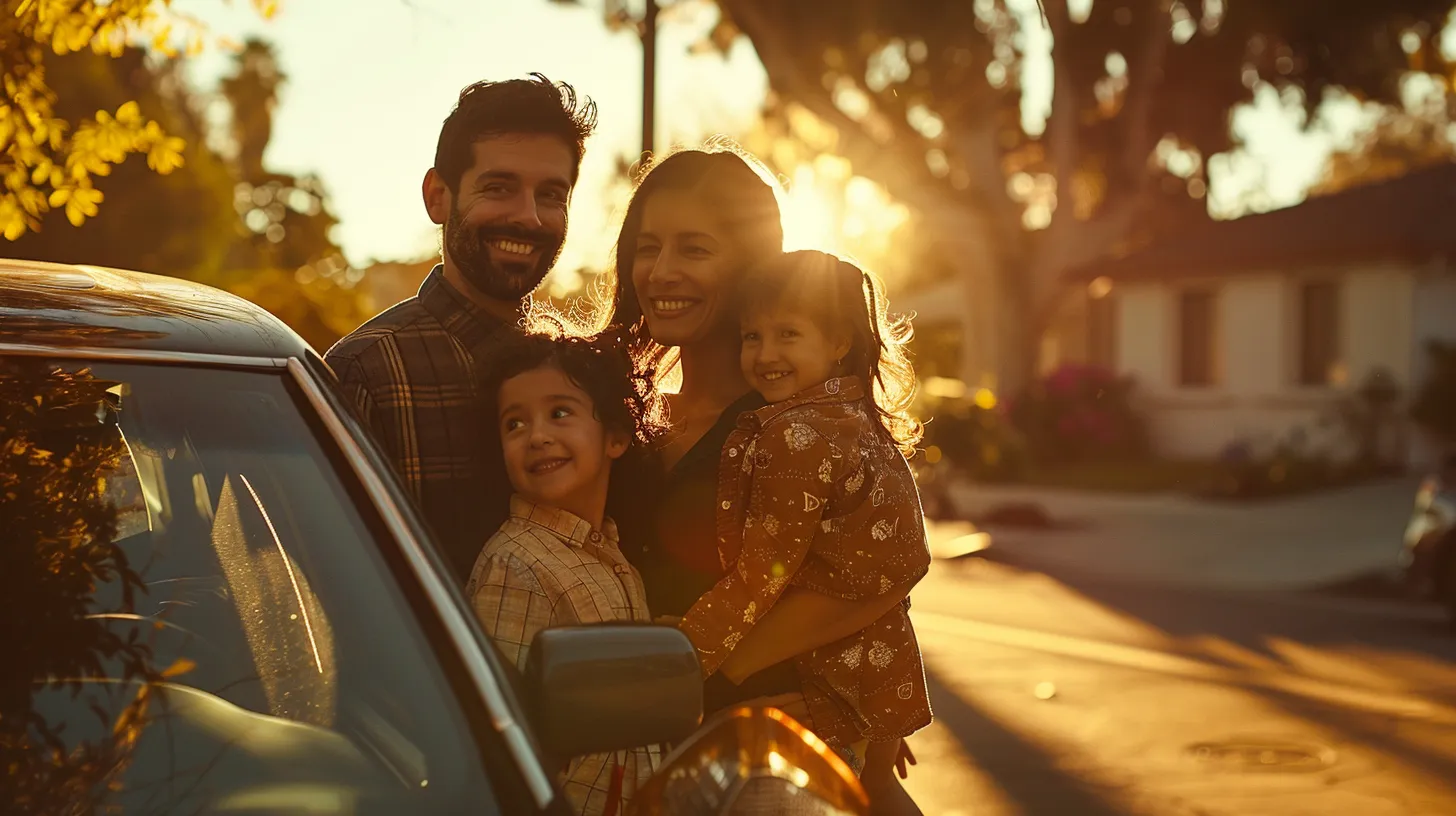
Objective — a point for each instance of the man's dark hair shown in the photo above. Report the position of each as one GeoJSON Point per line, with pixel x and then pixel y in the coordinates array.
{"type": "Point", "coordinates": [622, 400]}
{"type": "Point", "coordinates": [534, 105]}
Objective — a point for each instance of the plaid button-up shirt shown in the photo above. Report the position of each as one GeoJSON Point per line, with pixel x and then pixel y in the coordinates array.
{"type": "Point", "coordinates": [546, 567]}
{"type": "Point", "coordinates": [410, 373]}
{"type": "Point", "coordinates": [813, 493]}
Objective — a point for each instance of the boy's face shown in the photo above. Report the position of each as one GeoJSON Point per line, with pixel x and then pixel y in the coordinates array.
{"type": "Point", "coordinates": [557, 452]}
{"type": "Point", "coordinates": [784, 352]}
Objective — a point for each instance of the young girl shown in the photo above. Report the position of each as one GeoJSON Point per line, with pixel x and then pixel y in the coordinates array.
{"type": "Point", "coordinates": [814, 491]}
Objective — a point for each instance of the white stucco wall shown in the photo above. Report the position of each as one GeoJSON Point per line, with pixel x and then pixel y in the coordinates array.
{"type": "Point", "coordinates": [1257, 395]}
{"type": "Point", "coordinates": [1434, 317]}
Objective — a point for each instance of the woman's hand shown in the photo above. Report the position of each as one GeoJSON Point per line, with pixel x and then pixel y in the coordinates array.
{"type": "Point", "coordinates": [904, 758]}
{"type": "Point", "coordinates": [801, 622]}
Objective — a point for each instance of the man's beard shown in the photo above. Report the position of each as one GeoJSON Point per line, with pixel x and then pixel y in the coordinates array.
{"type": "Point", "coordinates": [469, 249]}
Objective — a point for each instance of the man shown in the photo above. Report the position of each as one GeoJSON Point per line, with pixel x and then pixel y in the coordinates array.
{"type": "Point", "coordinates": [505, 165]}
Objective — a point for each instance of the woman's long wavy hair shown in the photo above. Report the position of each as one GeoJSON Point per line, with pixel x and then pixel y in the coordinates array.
{"type": "Point", "coordinates": [736, 186]}
{"type": "Point", "coordinates": [846, 301]}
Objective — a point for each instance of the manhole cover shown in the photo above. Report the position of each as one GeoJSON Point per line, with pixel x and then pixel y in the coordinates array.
{"type": "Point", "coordinates": [1263, 756]}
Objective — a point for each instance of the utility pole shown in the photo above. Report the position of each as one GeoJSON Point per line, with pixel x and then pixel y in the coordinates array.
{"type": "Point", "coordinates": [649, 74]}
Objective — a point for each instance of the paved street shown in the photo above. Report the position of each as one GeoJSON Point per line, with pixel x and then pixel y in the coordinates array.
{"type": "Point", "coordinates": [1089, 686]}
{"type": "Point", "coordinates": [1289, 543]}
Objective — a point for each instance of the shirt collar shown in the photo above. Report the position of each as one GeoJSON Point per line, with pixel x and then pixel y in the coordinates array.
{"type": "Point", "coordinates": [569, 526]}
{"type": "Point", "coordinates": [708, 448]}
{"type": "Point", "coordinates": [457, 313]}
{"type": "Point", "coordinates": [834, 391]}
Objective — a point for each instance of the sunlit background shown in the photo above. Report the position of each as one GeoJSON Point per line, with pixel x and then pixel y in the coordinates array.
{"type": "Point", "coordinates": [1181, 273]}
{"type": "Point", "coordinates": [369, 83]}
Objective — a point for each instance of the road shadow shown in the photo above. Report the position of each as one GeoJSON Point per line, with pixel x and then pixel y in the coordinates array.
{"type": "Point", "coordinates": [1378, 733]}
{"type": "Point", "coordinates": [1415, 650]}
{"type": "Point", "coordinates": [1024, 771]}
{"type": "Point", "coordinates": [1256, 620]}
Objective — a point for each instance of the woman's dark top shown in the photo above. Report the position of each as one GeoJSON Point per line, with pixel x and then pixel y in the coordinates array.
{"type": "Point", "coordinates": [667, 529]}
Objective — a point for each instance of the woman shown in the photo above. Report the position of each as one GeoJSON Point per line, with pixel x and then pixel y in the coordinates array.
{"type": "Point", "coordinates": [698, 219]}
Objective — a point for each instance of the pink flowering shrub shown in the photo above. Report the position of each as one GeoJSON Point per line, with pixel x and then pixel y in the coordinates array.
{"type": "Point", "coordinates": [1078, 413]}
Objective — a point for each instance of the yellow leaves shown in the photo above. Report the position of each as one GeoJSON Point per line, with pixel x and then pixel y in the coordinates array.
{"type": "Point", "coordinates": [80, 202]}
{"type": "Point", "coordinates": [49, 162]}
{"type": "Point", "coordinates": [71, 33]}
{"type": "Point", "coordinates": [179, 667]}
{"type": "Point", "coordinates": [92, 150]}
{"type": "Point", "coordinates": [12, 220]}
{"type": "Point", "coordinates": [166, 155]}
{"type": "Point", "coordinates": [129, 114]}
{"type": "Point", "coordinates": [43, 172]}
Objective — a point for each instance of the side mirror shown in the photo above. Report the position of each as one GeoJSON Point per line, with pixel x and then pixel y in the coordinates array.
{"type": "Point", "coordinates": [752, 760]}
{"type": "Point", "coordinates": [613, 686]}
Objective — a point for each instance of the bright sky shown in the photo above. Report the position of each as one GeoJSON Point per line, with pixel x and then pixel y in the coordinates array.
{"type": "Point", "coordinates": [368, 90]}
{"type": "Point", "coordinates": [370, 82]}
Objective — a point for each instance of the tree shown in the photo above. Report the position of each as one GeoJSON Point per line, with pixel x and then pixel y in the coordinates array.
{"type": "Point", "coordinates": [50, 160]}
{"type": "Point", "coordinates": [927, 100]}
{"type": "Point", "coordinates": [286, 260]}
{"type": "Point", "coordinates": [1400, 141]}
{"type": "Point", "coordinates": [181, 223]}
{"type": "Point", "coordinates": [220, 220]}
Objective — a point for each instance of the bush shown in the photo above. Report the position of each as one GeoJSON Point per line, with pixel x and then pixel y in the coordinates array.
{"type": "Point", "coordinates": [1080, 413]}
{"type": "Point", "coordinates": [1286, 469]}
{"type": "Point", "coordinates": [1434, 407]}
{"type": "Point", "coordinates": [971, 439]}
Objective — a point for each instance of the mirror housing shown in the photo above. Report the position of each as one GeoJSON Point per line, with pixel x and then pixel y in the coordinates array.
{"type": "Point", "coordinates": [752, 760]}
{"type": "Point", "coordinates": [609, 687]}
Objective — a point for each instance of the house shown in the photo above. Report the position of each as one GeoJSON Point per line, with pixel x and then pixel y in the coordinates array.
{"type": "Point", "coordinates": [1255, 329]}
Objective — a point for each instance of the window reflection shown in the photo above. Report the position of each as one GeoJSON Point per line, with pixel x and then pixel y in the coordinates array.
{"type": "Point", "coordinates": [293, 664]}
{"type": "Point", "coordinates": [287, 631]}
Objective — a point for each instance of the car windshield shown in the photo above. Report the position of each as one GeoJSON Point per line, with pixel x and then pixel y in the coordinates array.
{"type": "Point", "coordinates": [221, 626]}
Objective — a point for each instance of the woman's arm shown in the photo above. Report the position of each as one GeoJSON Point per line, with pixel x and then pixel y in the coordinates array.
{"type": "Point", "coordinates": [802, 621]}
{"type": "Point", "coordinates": [773, 549]}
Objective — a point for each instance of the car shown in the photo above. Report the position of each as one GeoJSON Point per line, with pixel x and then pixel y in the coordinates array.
{"type": "Point", "coordinates": [217, 596]}
{"type": "Point", "coordinates": [1428, 558]}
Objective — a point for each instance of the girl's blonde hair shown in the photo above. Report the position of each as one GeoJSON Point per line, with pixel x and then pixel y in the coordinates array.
{"type": "Point", "coordinates": [844, 300]}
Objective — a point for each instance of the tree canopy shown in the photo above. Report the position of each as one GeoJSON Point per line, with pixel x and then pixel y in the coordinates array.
{"type": "Point", "coordinates": [220, 217]}
{"type": "Point", "coordinates": [929, 100]}
{"type": "Point", "coordinates": [51, 156]}
{"type": "Point", "coordinates": [1399, 141]}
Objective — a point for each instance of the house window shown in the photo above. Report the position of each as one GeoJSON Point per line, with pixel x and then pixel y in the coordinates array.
{"type": "Point", "coordinates": [1319, 332]}
{"type": "Point", "coordinates": [1196, 338]}
{"type": "Point", "coordinates": [1102, 331]}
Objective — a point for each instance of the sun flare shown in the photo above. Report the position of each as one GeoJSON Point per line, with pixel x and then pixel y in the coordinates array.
{"type": "Point", "coordinates": [809, 214]}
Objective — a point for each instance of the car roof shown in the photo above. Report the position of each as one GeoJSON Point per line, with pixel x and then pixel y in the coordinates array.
{"type": "Point", "coordinates": [67, 306]}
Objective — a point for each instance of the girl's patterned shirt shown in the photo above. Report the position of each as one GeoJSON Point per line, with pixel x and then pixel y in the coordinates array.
{"type": "Point", "coordinates": [812, 492]}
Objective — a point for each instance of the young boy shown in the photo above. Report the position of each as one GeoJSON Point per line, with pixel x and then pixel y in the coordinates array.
{"type": "Point", "coordinates": [564, 411]}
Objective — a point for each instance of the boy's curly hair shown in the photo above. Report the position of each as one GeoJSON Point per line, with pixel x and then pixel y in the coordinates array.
{"type": "Point", "coordinates": [622, 399]}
